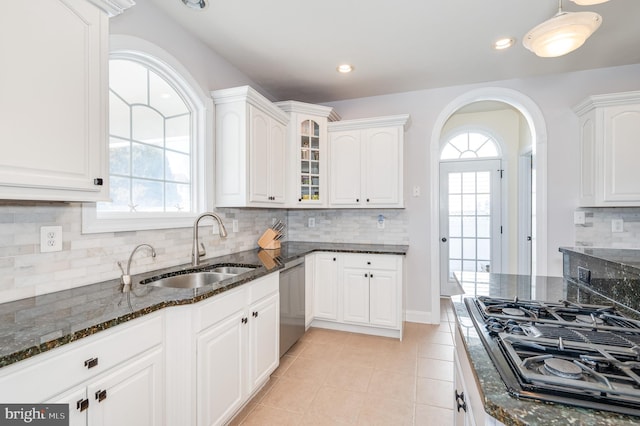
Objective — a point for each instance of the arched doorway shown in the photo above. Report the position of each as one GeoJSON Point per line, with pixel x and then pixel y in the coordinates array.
{"type": "Point", "coordinates": [535, 121]}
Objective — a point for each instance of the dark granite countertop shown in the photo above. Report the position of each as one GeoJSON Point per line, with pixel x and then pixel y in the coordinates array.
{"type": "Point", "coordinates": [498, 403]}
{"type": "Point", "coordinates": [627, 260]}
{"type": "Point", "coordinates": [37, 324]}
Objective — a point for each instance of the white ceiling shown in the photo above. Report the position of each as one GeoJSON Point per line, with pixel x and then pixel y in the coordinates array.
{"type": "Point", "coordinates": [292, 47]}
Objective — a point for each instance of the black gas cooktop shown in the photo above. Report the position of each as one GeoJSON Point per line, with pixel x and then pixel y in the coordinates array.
{"type": "Point", "coordinates": [578, 354]}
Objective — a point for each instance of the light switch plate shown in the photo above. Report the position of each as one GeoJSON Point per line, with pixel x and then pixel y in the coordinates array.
{"type": "Point", "coordinates": [617, 225]}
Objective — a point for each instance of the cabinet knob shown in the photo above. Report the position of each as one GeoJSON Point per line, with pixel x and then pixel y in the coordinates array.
{"type": "Point", "coordinates": [366, 275]}
{"type": "Point", "coordinates": [98, 181]}
{"type": "Point", "coordinates": [357, 200]}
{"type": "Point", "coordinates": [82, 404]}
{"type": "Point", "coordinates": [91, 362]}
{"type": "Point", "coordinates": [368, 263]}
{"type": "Point", "coordinates": [367, 200]}
{"type": "Point", "coordinates": [101, 395]}
{"type": "Point", "coordinates": [459, 399]}
{"type": "Point", "coordinates": [334, 259]}
{"type": "Point", "coordinates": [299, 199]}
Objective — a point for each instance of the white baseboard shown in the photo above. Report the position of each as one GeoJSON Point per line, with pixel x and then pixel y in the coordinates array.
{"type": "Point", "coordinates": [421, 317]}
{"type": "Point", "coordinates": [353, 328]}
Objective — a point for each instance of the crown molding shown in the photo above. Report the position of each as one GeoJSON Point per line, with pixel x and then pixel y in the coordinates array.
{"type": "Point", "coordinates": [363, 123]}
{"type": "Point", "coordinates": [311, 109]}
{"type": "Point", "coordinates": [598, 101]}
{"type": "Point", "coordinates": [113, 7]}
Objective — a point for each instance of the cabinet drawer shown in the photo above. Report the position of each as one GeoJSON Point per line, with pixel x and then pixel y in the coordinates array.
{"type": "Point", "coordinates": [264, 286]}
{"type": "Point", "coordinates": [43, 376]}
{"type": "Point", "coordinates": [371, 261]}
{"type": "Point", "coordinates": [219, 307]}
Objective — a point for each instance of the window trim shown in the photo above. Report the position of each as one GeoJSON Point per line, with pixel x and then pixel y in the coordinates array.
{"type": "Point", "coordinates": [466, 130]}
{"type": "Point", "coordinates": [202, 161]}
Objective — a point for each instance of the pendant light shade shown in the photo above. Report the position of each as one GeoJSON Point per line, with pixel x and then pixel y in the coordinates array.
{"type": "Point", "coordinates": [588, 2]}
{"type": "Point", "coordinates": [563, 33]}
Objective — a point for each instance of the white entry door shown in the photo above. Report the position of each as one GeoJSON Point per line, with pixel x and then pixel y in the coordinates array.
{"type": "Point", "coordinates": [470, 222]}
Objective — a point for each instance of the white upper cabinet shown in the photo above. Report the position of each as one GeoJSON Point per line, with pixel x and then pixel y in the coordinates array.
{"type": "Point", "coordinates": [250, 149]}
{"type": "Point", "coordinates": [307, 159]}
{"type": "Point", "coordinates": [366, 162]}
{"type": "Point", "coordinates": [53, 106]}
{"type": "Point", "coordinates": [609, 149]}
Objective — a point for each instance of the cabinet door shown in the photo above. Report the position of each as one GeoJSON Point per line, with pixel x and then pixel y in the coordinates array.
{"type": "Point", "coordinates": [259, 155]}
{"type": "Point", "coordinates": [131, 395]}
{"type": "Point", "coordinates": [355, 293]}
{"type": "Point", "coordinates": [277, 146]}
{"type": "Point", "coordinates": [382, 170]}
{"type": "Point", "coordinates": [77, 414]}
{"type": "Point", "coordinates": [220, 366]}
{"type": "Point", "coordinates": [53, 104]}
{"type": "Point", "coordinates": [621, 152]}
{"type": "Point", "coordinates": [325, 295]}
{"type": "Point", "coordinates": [461, 418]}
{"type": "Point", "coordinates": [264, 346]}
{"type": "Point", "coordinates": [384, 291]}
{"type": "Point", "coordinates": [345, 168]}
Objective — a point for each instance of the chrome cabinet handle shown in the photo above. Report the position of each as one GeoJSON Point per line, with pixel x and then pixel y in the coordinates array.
{"type": "Point", "coordinates": [460, 397]}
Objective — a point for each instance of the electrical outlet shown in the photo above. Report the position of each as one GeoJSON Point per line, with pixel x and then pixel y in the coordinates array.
{"type": "Point", "coordinates": [50, 238]}
{"type": "Point", "coordinates": [584, 275]}
{"type": "Point", "coordinates": [312, 222]}
{"type": "Point", "coordinates": [381, 222]}
{"type": "Point", "coordinates": [579, 218]}
{"type": "Point", "coordinates": [234, 225]}
{"type": "Point", "coordinates": [617, 225]}
{"type": "Point", "coordinates": [416, 191]}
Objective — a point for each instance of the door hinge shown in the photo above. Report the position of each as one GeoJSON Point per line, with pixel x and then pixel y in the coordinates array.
{"type": "Point", "coordinates": [500, 229]}
{"type": "Point", "coordinates": [501, 170]}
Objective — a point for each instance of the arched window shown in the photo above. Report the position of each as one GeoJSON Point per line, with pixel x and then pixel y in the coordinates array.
{"type": "Point", "coordinates": [470, 145]}
{"type": "Point", "coordinates": [157, 162]}
{"type": "Point", "coordinates": [150, 141]}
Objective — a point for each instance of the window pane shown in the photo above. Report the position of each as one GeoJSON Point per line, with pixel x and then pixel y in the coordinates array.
{"type": "Point", "coordinates": [119, 156]}
{"type": "Point", "coordinates": [178, 197]}
{"type": "Point", "coordinates": [148, 125]}
{"type": "Point", "coordinates": [454, 266]}
{"type": "Point", "coordinates": [455, 205]}
{"type": "Point", "coordinates": [469, 183]}
{"type": "Point", "coordinates": [469, 204]}
{"type": "Point", "coordinates": [164, 98]}
{"type": "Point", "coordinates": [484, 226]}
{"type": "Point", "coordinates": [489, 149]}
{"type": "Point", "coordinates": [178, 167]}
{"type": "Point", "coordinates": [469, 248]}
{"type": "Point", "coordinates": [469, 226]}
{"type": "Point", "coordinates": [484, 182]}
{"type": "Point", "coordinates": [460, 142]}
{"type": "Point", "coordinates": [469, 265]}
{"type": "Point", "coordinates": [147, 195]}
{"type": "Point", "coordinates": [455, 248]}
{"type": "Point", "coordinates": [455, 183]}
{"type": "Point", "coordinates": [179, 133]}
{"type": "Point", "coordinates": [119, 190]}
{"type": "Point", "coordinates": [484, 204]}
{"type": "Point", "coordinates": [476, 140]}
{"type": "Point", "coordinates": [484, 249]}
{"type": "Point", "coordinates": [148, 161]}
{"type": "Point", "coordinates": [455, 226]}
{"type": "Point", "coordinates": [129, 80]}
{"type": "Point", "coordinates": [118, 117]}
{"type": "Point", "coordinates": [449, 152]}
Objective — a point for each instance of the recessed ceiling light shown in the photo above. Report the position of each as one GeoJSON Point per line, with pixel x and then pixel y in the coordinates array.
{"type": "Point", "coordinates": [345, 68]}
{"type": "Point", "coordinates": [196, 4]}
{"type": "Point", "coordinates": [588, 2]}
{"type": "Point", "coordinates": [504, 43]}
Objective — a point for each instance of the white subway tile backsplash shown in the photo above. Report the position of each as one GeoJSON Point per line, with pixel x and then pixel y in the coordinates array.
{"type": "Point", "coordinates": [596, 232]}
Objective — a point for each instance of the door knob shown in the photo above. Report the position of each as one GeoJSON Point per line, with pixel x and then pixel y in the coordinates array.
{"type": "Point", "coordinates": [444, 239]}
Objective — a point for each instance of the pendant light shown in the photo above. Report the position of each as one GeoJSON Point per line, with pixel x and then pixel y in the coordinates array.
{"type": "Point", "coordinates": [563, 33]}
{"type": "Point", "coordinates": [588, 2]}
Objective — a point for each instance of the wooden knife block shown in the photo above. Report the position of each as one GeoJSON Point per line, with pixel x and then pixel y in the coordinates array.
{"type": "Point", "coordinates": [268, 241]}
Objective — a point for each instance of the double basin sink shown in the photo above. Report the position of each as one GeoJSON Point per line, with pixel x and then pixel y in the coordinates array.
{"type": "Point", "coordinates": [198, 278]}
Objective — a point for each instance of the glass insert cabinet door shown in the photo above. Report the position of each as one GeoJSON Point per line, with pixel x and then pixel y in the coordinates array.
{"type": "Point", "coordinates": [309, 161]}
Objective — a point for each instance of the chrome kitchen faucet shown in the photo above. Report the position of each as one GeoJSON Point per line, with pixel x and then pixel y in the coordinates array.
{"type": "Point", "coordinates": [125, 279]}
{"type": "Point", "coordinates": [195, 251]}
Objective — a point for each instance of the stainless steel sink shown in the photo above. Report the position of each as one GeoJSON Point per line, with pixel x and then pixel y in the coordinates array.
{"type": "Point", "coordinates": [235, 270]}
{"type": "Point", "coordinates": [191, 280]}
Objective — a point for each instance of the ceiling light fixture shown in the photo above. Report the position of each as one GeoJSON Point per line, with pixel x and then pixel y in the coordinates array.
{"type": "Point", "coordinates": [345, 68]}
{"type": "Point", "coordinates": [588, 2]}
{"type": "Point", "coordinates": [504, 43]}
{"type": "Point", "coordinates": [563, 33]}
{"type": "Point", "coordinates": [196, 4]}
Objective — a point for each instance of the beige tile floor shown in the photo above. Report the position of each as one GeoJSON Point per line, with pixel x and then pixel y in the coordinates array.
{"type": "Point", "coordinates": [338, 378]}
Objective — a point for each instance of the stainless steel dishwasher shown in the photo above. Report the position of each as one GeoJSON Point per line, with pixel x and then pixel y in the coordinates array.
{"type": "Point", "coordinates": [292, 315]}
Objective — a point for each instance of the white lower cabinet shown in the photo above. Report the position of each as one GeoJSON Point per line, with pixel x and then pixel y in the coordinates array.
{"type": "Point", "coordinates": [237, 348]}
{"type": "Point", "coordinates": [359, 290]}
{"type": "Point", "coordinates": [115, 377]}
{"type": "Point", "coordinates": [129, 396]}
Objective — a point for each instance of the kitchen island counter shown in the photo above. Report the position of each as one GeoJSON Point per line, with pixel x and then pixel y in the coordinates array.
{"type": "Point", "coordinates": [37, 324]}
{"type": "Point", "coordinates": [498, 403]}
